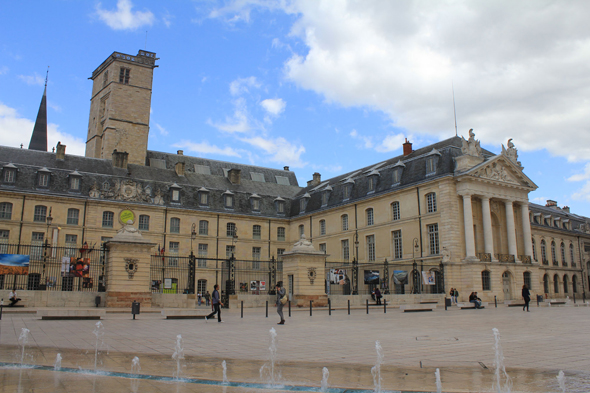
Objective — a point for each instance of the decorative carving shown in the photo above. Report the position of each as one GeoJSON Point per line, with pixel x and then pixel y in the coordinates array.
{"type": "Point", "coordinates": [495, 206]}
{"type": "Point", "coordinates": [471, 146]}
{"type": "Point", "coordinates": [303, 245]}
{"type": "Point", "coordinates": [585, 227]}
{"type": "Point", "coordinates": [311, 274]}
{"type": "Point", "coordinates": [158, 197]}
{"type": "Point", "coordinates": [446, 255]}
{"type": "Point", "coordinates": [131, 266]}
{"type": "Point", "coordinates": [94, 191]}
{"type": "Point", "coordinates": [494, 171]}
{"type": "Point", "coordinates": [128, 228]}
{"type": "Point", "coordinates": [122, 190]}
{"type": "Point", "coordinates": [511, 152]}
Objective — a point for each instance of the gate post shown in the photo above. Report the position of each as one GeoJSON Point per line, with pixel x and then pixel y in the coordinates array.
{"type": "Point", "coordinates": [441, 268]}
{"type": "Point", "coordinates": [191, 273]}
{"type": "Point", "coordinates": [415, 278]}
{"type": "Point", "coordinates": [355, 277]}
{"type": "Point", "coordinates": [272, 279]}
{"type": "Point", "coordinates": [386, 278]}
{"type": "Point", "coordinates": [230, 281]}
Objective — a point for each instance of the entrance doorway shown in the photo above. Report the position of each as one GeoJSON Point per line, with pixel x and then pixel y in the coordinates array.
{"type": "Point", "coordinates": [507, 286]}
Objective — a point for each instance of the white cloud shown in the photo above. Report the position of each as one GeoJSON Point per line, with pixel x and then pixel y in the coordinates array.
{"type": "Point", "coordinates": [390, 143]}
{"type": "Point", "coordinates": [3, 70]}
{"type": "Point", "coordinates": [123, 18]}
{"type": "Point", "coordinates": [279, 150]}
{"type": "Point", "coordinates": [167, 19]}
{"type": "Point", "coordinates": [241, 85]}
{"type": "Point", "coordinates": [53, 106]}
{"type": "Point", "coordinates": [32, 79]}
{"type": "Point", "coordinates": [15, 130]}
{"type": "Point", "coordinates": [161, 129]}
{"type": "Point", "coordinates": [583, 194]}
{"type": "Point", "coordinates": [239, 122]}
{"type": "Point", "coordinates": [274, 106]}
{"type": "Point", "coordinates": [367, 141]}
{"type": "Point", "coordinates": [206, 148]}
{"type": "Point", "coordinates": [581, 176]}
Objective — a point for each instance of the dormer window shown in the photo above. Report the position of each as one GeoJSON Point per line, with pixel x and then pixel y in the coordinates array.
{"type": "Point", "coordinates": [280, 205]}
{"type": "Point", "coordinates": [373, 177]}
{"type": "Point", "coordinates": [75, 181]}
{"type": "Point", "coordinates": [347, 189]}
{"type": "Point", "coordinates": [203, 195]}
{"type": "Point", "coordinates": [326, 195]}
{"type": "Point", "coordinates": [9, 174]}
{"type": "Point", "coordinates": [396, 174]}
{"type": "Point", "coordinates": [175, 193]}
{"type": "Point", "coordinates": [255, 202]}
{"type": "Point", "coordinates": [432, 162]}
{"type": "Point", "coordinates": [43, 177]}
{"type": "Point", "coordinates": [228, 200]}
{"type": "Point", "coordinates": [303, 202]}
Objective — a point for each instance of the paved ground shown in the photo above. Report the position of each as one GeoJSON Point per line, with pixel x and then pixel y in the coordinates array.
{"type": "Point", "coordinates": [536, 346]}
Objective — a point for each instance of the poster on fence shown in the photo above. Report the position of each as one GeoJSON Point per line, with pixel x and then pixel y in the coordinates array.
{"type": "Point", "coordinates": [79, 267]}
{"type": "Point", "coordinates": [338, 276]}
{"type": "Point", "coordinates": [14, 264]}
{"type": "Point", "coordinates": [371, 277]}
{"type": "Point", "coordinates": [262, 286]}
{"type": "Point", "coordinates": [428, 278]}
{"type": "Point", "coordinates": [400, 277]}
{"type": "Point", "coordinates": [65, 266]}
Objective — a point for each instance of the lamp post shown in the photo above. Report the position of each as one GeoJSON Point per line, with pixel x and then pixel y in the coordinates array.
{"type": "Point", "coordinates": [355, 265]}
{"type": "Point", "coordinates": [416, 250]}
{"type": "Point", "coordinates": [191, 267]}
{"type": "Point", "coordinates": [48, 220]}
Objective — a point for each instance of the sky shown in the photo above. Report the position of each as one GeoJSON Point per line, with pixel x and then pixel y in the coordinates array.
{"type": "Point", "coordinates": [319, 86]}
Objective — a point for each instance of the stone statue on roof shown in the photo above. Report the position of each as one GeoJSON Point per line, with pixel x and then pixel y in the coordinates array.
{"type": "Point", "coordinates": [471, 146]}
{"type": "Point", "coordinates": [511, 153]}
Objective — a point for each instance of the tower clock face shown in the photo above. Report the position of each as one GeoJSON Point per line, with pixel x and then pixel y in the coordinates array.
{"type": "Point", "coordinates": [126, 215]}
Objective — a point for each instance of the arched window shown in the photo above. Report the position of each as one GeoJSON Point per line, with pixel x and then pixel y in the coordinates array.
{"type": "Point", "coordinates": [534, 250]}
{"type": "Point", "coordinates": [556, 283]}
{"type": "Point", "coordinates": [544, 252]}
{"type": "Point", "coordinates": [573, 262]}
{"type": "Point", "coordinates": [527, 279]}
{"type": "Point", "coordinates": [562, 249]}
{"type": "Point", "coordinates": [554, 254]}
{"type": "Point", "coordinates": [107, 219]}
{"type": "Point", "coordinates": [345, 222]}
{"type": "Point", "coordinates": [575, 284]}
{"type": "Point", "coordinates": [370, 219]}
{"type": "Point", "coordinates": [231, 230]}
{"type": "Point", "coordinates": [322, 227]}
{"type": "Point", "coordinates": [395, 211]}
{"type": "Point", "coordinates": [256, 232]}
{"type": "Point", "coordinates": [6, 210]}
{"type": "Point", "coordinates": [486, 282]}
{"type": "Point", "coordinates": [545, 284]}
{"type": "Point", "coordinates": [301, 230]}
{"type": "Point", "coordinates": [431, 202]}
{"type": "Point", "coordinates": [565, 284]}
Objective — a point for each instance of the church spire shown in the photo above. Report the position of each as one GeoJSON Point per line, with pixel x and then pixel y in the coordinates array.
{"type": "Point", "coordinates": [39, 137]}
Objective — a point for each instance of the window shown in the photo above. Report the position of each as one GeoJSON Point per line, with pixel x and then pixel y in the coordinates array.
{"type": "Point", "coordinates": [431, 202]}
{"type": "Point", "coordinates": [280, 207]}
{"type": "Point", "coordinates": [173, 248]}
{"type": "Point", "coordinates": [345, 222]}
{"type": "Point", "coordinates": [301, 230]}
{"type": "Point", "coordinates": [202, 254]}
{"type": "Point", "coordinates": [75, 183]}
{"type": "Point", "coordinates": [396, 176]}
{"type": "Point", "coordinates": [433, 238]}
{"type": "Point", "coordinates": [280, 252]}
{"type": "Point", "coordinates": [202, 286]}
{"type": "Point", "coordinates": [371, 248]}
{"type": "Point", "coordinates": [40, 213]}
{"type": "Point", "coordinates": [302, 204]}
{"type": "Point", "coordinates": [6, 210]}
{"type": "Point", "coordinates": [322, 227]}
{"type": "Point", "coordinates": [431, 165]}
{"type": "Point", "coordinates": [486, 282]}
{"type": "Point", "coordinates": [175, 225]}
{"type": "Point", "coordinates": [203, 198]}
{"type": "Point", "coordinates": [370, 220]}
{"type": "Point", "coordinates": [9, 175]}
{"type": "Point", "coordinates": [346, 191]}
{"type": "Point", "coordinates": [397, 245]}
{"type": "Point", "coordinates": [203, 228]}
{"type": "Point", "coordinates": [546, 283]}
{"type": "Point", "coordinates": [575, 284]}
{"type": "Point", "coordinates": [255, 204]}
{"type": "Point", "coordinates": [105, 78]}
{"type": "Point", "coordinates": [534, 249]}
{"type": "Point", "coordinates": [544, 252]}
{"type": "Point", "coordinates": [229, 251]}
{"type": "Point", "coordinates": [228, 201]}
{"type": "Point", "coordinates": [175, 195]}
{"type": "Point", "coordinates": [256, 232]}
{"type": "Point", "coordinates": [281, 234]}
{"type": "Point", "coordinates": [144, 222]}
{"type": "Point", "coordinates": [256, 258]}
{"type": "Point", "coordinates": [395, 211]}
{"type": "Point", "coordinates": [527, 279]}
{"type": "Point", "coordinates": [37, 245]}
{"type": "Point", "coordinates": [344, 245]}
{"type": "Point", "coordinates": [43, 179]}
{"type": "Point", "coordinates": [372, 183]}
{"type": "Point", "coordinates": [573, 262]}
{"type": "Point", "coordinates": [4, 236]}
{"type": "Point", "coordinates": [73, 216]}
{"type": "Point", "coordinates": [562, 249]}
{"type": "Point", "coordinates": [231, 230]}
{"type": "Point", "coordinates": [325, 197]}
{"type": "Point", "coordinates": [554, 254]}
{"type": "Point", "coordinates": [124, 75]}
{"type": "Point", "coordinates": [71, 243]}
{"type": "Point", "coordinates": [107, 219]}
{"type": "Point", "coordinates": [323, 247]}
{"type": "Point", "coordinates": [565, 284]}
{"type": "Point", "coordinates": [556, 283]}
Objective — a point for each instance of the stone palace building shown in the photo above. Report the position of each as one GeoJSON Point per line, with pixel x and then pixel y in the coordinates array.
{"type": "Point", "coordinates": [453, 209]}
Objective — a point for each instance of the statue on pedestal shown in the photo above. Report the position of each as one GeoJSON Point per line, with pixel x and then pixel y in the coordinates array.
{"type": "Point", "coordinates": [471, 146]}
{"type": "Point", "coordinates": [511, 152]}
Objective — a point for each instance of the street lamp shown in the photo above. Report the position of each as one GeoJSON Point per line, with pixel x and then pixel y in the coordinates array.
{"type": "Point", "coordinates": [234, 239]}
{"type": "Point", "coordinates": [48, 220]}
{"type": "Point", "coordinates": [416, 274]}
{"type": "Point", "coordinates": [191, 272]}
{"type": "Point", "coordinates": [193, 235]}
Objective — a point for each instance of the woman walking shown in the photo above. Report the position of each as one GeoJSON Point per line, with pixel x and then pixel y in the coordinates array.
{"type": "Point", "coordinates": [279, 303]}
{"type": "Point", "coordinates": [526, 295]}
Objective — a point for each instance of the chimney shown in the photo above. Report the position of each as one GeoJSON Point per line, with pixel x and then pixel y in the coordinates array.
{"type": "Point", "coordinates": [234, 176]}
{"type": "Point", "coordinates": [317, 179]}
{"type": "Point", "coordinates": [552, 204]}
{"type": "Point", "coordinates": [566, 209]}
{"type": "Point", "coordinates": [310, 183]}
{"type": "Point", "coordinates": [60, 154]}
{"type": "Point", "coordinates": [407, 148]}
{"type": "Point", "coordinates": [179, 168]}
{"type": "Point", "coordinates": [120, 159]}
{"type": "Point", "coordinates": [285, 168]}
{"type": "Point", "coordinates": [180, 152]}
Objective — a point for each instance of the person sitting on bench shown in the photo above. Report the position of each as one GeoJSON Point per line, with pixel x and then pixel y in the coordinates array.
{"type": "Point", "coordinates": [475, 300]}
{"type": "Point", "coordinates": [13, 298]}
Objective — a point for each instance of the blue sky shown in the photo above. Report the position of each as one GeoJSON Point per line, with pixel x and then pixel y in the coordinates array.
{"type": "Point", "coordinates": [319, 86]}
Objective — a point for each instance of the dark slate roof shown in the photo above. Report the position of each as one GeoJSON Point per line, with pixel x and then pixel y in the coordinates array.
{"type": "Point", "coordinates": [576, 220]}
{"type": "Point", "coordinates": [39, 137]}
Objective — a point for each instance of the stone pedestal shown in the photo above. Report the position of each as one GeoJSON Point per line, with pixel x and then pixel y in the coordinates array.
{"type": "Point", "coordinates": [128, 269]}
{"type": "Point", "coordinates": [307, 266]}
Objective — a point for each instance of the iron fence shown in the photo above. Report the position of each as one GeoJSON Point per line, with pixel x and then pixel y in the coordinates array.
{"type": "Point", "coordinates": [55, 268]}
{"type": "Point", "coordinates": [250, 276]}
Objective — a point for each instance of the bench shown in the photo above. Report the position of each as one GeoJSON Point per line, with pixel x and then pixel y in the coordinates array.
{"type": "Point", "coordinates": [417, 307]}
{"type": "Point", "coordinates": [60, 314]}
{"type": "Point", "coordinates": [184, 313]}
{"type": "Point", "coordinates": [428, 301]}
{"type": "Point", "coordinates": [467, 306]}
{"type": "Point", "coordinates": [515, 304]}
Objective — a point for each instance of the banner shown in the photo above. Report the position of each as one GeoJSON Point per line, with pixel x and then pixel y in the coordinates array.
{"type": "Point", "coordinates": [428, 278]}
{"type": "Point", "coordinates": [400, 277]}
{"type": "Point", "coordinates": [14, 264]}
{"type": "Point", "coordinates": [338, 276]}
{"type": "Point", "coordinates": [371, 277]}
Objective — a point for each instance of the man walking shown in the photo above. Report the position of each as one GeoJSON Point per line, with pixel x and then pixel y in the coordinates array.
{"type": "Point", "coordinates": [216, 305]}
{"type": "Point", "coordinates": [280, 294]}
{"type": "Point", "coordinates": [207, 298]}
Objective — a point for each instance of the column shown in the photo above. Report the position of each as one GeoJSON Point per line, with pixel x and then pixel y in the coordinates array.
{"type": "Point", "coordinates": [488, 235]}
{"type": "Point", "coordinates": [468, 223]}
{"type": "Point", "coordinates": [510, 228]}
{"type": "Point", "coordinates": [526, 230]}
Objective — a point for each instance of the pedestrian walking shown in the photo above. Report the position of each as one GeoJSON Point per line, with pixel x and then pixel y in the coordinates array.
{"type": "Point", "coordinates": [526, 295]}
{"type": "Point", "coordinates": [207, 298]}
{"type": "Point", "coordinates": [378, 296]}
{"type": "Point", "coordinates": [456, 295]}
{"type": "Point", "coordinates": [282, 299]}
{"type": "Point", "coordinates": [216, 302]}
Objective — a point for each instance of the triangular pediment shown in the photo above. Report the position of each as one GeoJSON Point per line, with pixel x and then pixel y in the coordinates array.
{"type": "Point", "coordinates": [500, 169]}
